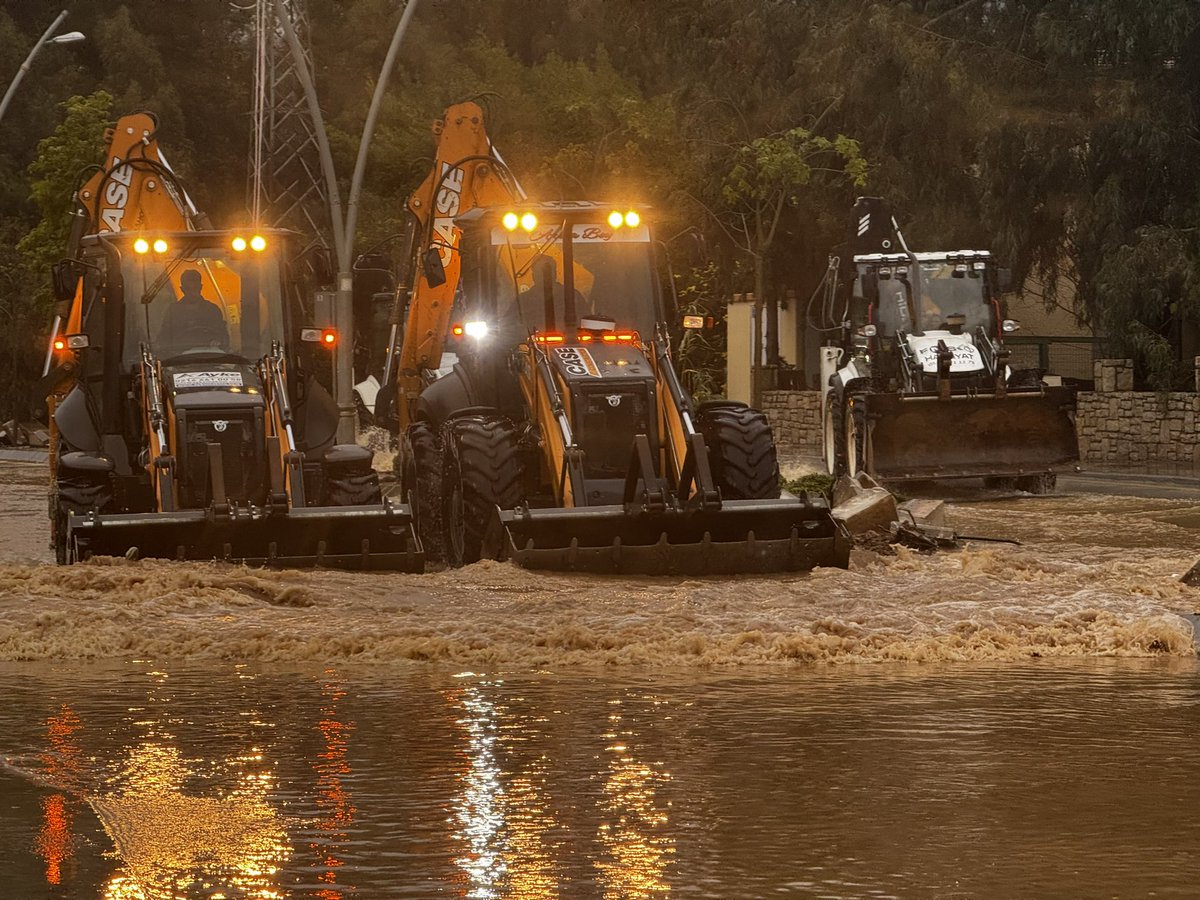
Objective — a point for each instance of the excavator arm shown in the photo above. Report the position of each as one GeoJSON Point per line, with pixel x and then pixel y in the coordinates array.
{"type": "Point", "coordinates": [467, 173]}
{"type": "Point", "coordinates": [135, 190]}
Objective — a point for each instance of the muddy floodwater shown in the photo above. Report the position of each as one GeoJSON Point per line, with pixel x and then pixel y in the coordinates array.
{"type": "Point", "coordinates": [997, 721]}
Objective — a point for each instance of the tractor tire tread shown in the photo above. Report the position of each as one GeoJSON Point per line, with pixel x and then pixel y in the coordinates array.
{"type": "Point", "coordinates": [425, 452]}
{"type": "Point", "coordinates": [741, 452]}
{"type": "Point", "coordinates": [488, 462]}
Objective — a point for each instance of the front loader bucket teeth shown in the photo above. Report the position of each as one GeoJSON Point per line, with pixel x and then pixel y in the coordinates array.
{"type": "Point", "coordinates": [740, 536]}
{"type": "Point", "coordinates": [970, 436]}
{"type": "Point", "coordinates": [341, 537]}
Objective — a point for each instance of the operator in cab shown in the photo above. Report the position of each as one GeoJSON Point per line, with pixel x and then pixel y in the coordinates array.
{"type": "Point", "coordinates": [192, 322]}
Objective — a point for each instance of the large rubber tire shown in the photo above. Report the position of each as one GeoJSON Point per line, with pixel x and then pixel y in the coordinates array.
{"type": "Point", "coordinates": [78, 494]}
{"type": "Point", "coordinates": [420, 475]}
{"type": "Point", "coordinates": [741, 451]}
{"type": "Point", "coordinates": [62, 554]}
{"type": "Point", "coordinates": [831, 439]}
{"type": "Point", "coordinates": [854, 438]}
{"type": "Point", "coordinates": [481, 470]}
{"type": "Point", "coordinates": [1025, 378]}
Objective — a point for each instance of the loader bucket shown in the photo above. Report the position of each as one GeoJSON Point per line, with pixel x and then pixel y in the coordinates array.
{"type": "Point", "coordinates": [740, 536]}
{"type": "Point", "coordinates": [379, 536]}
{"type": "Point", "coordinates": [1022, 432]}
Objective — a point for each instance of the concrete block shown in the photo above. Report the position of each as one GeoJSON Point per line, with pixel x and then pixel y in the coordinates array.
{"type": "Point", "coordinates": [923, 512]}
{"type": "Point", "coordinates": [862, 505]}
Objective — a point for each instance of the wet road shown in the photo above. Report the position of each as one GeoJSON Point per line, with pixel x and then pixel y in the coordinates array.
{"type": "Point", "coordinates": [144, 781]}
{"type": "Point", "coordinates": [999, 721]}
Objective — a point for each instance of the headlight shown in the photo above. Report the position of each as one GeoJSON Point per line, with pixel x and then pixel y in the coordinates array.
{"type": "Point", "coordinates": [475, 329]}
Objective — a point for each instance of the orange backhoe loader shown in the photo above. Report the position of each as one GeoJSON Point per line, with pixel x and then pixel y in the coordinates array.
{"type": "Point", "coordinates": [188, 421]}
{"type": "Point", "coordinates": [559, 434]}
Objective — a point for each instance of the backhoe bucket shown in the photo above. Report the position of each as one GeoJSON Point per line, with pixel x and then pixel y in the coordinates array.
{"type": "Point", "coordinates": [377, 536]}
{"type": "Point", "coordinates": [1020, 433]}
{"type": "Point", "coordinates": [740, 536]}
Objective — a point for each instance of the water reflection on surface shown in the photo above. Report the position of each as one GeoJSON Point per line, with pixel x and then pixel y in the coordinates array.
{"type": "Point", "coordinates": [175, 841]}
{"type": "Point", "coordinates": [332, 795]}
{"type": "Point", "coordinates": [1072, 779]}
{"type": "Point", "coordinates": [478, 809]}
{"type": "Point", "coordinates": [63, 768]}
{"type": "Point", "coordinates": [634, 829]}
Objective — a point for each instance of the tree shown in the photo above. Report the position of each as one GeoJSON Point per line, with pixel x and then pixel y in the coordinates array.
{"type": "Point", "coordinates": [765, 177]}
{"type": "Point", "coordinates": [63, 158]}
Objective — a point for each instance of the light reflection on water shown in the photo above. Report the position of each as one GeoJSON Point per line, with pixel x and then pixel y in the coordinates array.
{"type": "Point", "coordinates": [1056, 779]}
{"type": "Point", "coordinates": [634, 829]}
{"type": "Point", "coordinates": [479, 808]}
{"type": "Point", "coordinates": [173, 841]}
{"type": "Point", "coordinates": [63, 767]}
{"type": "Point", "coordinates": [332, 793]}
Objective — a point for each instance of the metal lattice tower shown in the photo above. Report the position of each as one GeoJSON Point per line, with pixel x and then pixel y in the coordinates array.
{"type": "Point", "coordinates": [285, 184]}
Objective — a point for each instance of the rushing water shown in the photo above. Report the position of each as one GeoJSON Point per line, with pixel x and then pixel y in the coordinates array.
{"type": "Point", "coordinates": [997, 721]}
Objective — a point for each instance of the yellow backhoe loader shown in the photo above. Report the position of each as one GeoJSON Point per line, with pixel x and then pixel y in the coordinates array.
{"type": "Point", "coordinates": [188, 421]}
{"type": "Point", "coordinates": [558, 434]}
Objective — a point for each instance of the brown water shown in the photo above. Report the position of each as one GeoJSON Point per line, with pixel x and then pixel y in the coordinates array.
{"type": "Point", "coordinates": [1002, 720]}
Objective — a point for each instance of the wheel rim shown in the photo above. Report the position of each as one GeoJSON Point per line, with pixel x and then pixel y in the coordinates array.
{"type": "Point", "coordinates": [851, 443]}
{"type": "Point", "coordinates": [830, 439]}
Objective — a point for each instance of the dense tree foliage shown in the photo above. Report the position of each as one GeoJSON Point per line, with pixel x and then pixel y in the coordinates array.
{"type": "Point", "coordinates": [1061, 133]}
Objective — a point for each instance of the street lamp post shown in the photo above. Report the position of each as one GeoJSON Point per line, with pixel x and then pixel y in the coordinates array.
{"type": "Point", "coordinates": [343, 229]}
{"type": "Point", "coordinates": [69, 38]}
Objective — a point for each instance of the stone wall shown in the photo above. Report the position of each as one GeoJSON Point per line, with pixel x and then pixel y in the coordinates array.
{"type": "Point", "coordinates": [1120, 426]}
{"type": "Point", "coordinates": [796, 420]}
{"type": "Point", "coordinates": [1134, 427]}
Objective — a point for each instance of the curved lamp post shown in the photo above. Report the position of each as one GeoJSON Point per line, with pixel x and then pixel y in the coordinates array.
{"type": "Point", "coordinates": [69, 38]}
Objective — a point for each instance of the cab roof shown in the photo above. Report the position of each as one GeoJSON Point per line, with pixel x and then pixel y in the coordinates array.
{"type": "Point", "coordinates": [577, 210]}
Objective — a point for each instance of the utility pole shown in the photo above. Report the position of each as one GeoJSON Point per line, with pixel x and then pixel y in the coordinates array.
{"type": "Point", "coordinates": [343, 228]}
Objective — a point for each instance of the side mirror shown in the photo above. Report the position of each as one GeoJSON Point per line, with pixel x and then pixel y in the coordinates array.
{"type": "Point", "coordinates": [64, 277]}
{"type": "Point", "coordinates": [1004, 281]}
{"type": "Point", "coordinates": [1008, 326]}
{"type": "Point", "coordinates": [432, 268]}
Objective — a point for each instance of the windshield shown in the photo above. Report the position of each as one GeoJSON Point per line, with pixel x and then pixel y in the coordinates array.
{"type": "Point", "coordinates": [611, 273]}
{"type": "Point", "coordinates": [942, 295]}
{"type": "Point", "coordinates": [209, 300]}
